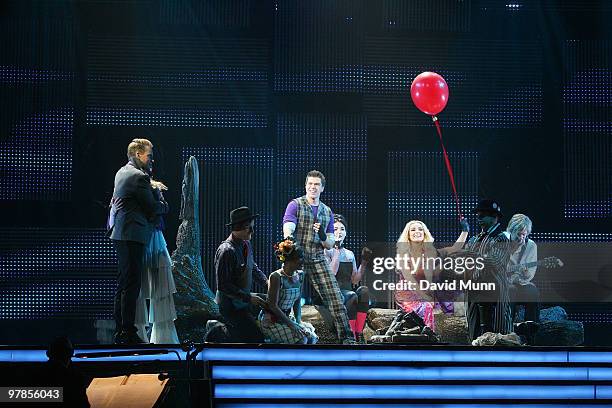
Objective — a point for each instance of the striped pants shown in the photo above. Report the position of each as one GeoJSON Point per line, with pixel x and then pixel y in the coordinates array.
{"type": "Point", "coordinates": [324, 282]}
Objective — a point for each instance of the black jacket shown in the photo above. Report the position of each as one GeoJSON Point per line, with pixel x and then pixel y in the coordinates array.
{"type": "Point", "coordinates": [134, 208]}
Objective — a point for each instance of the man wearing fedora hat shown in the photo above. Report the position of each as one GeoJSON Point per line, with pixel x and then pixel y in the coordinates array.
{"type": "Point", "coordinates": [489, 311]}
{"type": "Point", "coordinates": [235, 270]}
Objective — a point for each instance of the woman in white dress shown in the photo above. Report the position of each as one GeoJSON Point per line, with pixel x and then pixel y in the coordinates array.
{"type": "Point", "coordinates": [157, 286]}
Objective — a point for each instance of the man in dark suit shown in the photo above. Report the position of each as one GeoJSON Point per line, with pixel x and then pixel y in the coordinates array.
{"type": "Point", "coordinates": [134, 207]}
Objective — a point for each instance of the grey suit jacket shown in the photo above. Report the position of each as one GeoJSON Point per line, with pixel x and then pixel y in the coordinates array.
{"type": "Point", "coordinates": [133, 207]}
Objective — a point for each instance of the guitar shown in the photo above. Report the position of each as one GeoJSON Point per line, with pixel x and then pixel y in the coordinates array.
{"type": "Point", "coordinates": [550, 262]}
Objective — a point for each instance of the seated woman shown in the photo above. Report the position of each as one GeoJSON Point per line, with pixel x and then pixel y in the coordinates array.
{"type": "Point", "coordinates": [344, 267]}
{"type": "Point", "coordinates": [417, 242]}
{"type": "Point", "coordinates": [284, 294]}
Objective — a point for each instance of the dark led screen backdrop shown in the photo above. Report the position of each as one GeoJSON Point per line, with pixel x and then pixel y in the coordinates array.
{"type": "Point", "coordinates": [261, 92]}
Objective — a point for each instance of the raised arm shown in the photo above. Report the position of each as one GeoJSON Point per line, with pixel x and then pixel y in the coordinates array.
{"type": "Point", "coordinates": [366, 256]}
{"type": "Point", "coordinates": [458, 245]}
{"type": "Point", "coordinates": [333, 256]}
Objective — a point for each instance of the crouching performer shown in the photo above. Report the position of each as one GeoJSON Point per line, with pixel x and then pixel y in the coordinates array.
{"type": "Point", "coordinates": [284, 295]}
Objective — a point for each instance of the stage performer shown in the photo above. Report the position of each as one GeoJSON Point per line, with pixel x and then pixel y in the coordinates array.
{"type": "Point", "coordinates": [235, 270]}
{"type": "Point", "coordinates": [522, 290]}
{"type": "Point", "coordinates": [311, 223]}
{"type": "Point", "coordinates": [285, 295]}
{"type": "Point", "coordinates": [344, 266]}
{"type": "Point", "coordinates": [417, 242]}
{"type": "Point", "coordinates": [130, 226]}
{"type": "Point", "coordinates": [157, 285]}
{"type": "Point", "coordinates": [489, 311]}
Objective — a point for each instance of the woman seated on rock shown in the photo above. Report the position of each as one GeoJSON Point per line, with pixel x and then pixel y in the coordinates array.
{"type": "Point", "coordinates": [417, 242]}
{"type": "Point", "coordinates": [284, 295]}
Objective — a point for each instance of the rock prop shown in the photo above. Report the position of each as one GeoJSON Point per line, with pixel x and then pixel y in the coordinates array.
{"type": "Point", "coordinates": [556, 330]}
{"type": "Point", "coordinates": [380, 319]}
{"type": "Point", "coordinates": [194, 300]}
{"type": "Point", "coordinates": [452, 329]}
{"type": "Point", "coordinates": [498, 339]}
{"type": "Point", "coordinates": [553, 314]}
{"type": "Point", "coordinates": [406, 328]}
{"type": "Point", "coordinates": [315, 316]}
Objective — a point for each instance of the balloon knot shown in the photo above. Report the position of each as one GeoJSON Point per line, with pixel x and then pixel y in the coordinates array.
{"type": "Point", "coordinates": [434, 118]}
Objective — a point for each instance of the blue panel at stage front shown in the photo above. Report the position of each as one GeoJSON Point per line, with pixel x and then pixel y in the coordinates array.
{"type": "Point", "coordinates": [407, 373]}
{"type": "Point", "coordinates": [382, 405]}
{"type": "Point", "coordinates": [340, 391]}
{"type": "Point", "coordinates": [37, 356]}
{"type": "Point", "coordinates": [372, 354]}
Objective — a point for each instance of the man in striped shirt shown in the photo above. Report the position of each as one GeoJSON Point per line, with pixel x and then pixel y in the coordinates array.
{"type": "Point", "coordinates": [489, 311]}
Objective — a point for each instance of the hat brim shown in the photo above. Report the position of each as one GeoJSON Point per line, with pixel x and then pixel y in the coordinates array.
{"type": "Point", "coordinates": [252, 217]}
{"type": "Point", "coordinates": [488, 210]}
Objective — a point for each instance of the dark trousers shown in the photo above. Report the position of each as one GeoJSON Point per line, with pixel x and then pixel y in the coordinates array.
{"type": "Point", "coordinates": [130, 256]}
{"type": "Point", "coordinates": [241, 323]}
{"type": "Point", "coordinates": [480, 318]}
{"type": "Point", "coordinates": [528, 296]}
{"type": "Point", "coordinates": [240, 319]}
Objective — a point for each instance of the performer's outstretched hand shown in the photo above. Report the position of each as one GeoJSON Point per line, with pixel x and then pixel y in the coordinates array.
{"type": "Point", "coordinates": [465, 226]}
{"type": "Point", "coordinates": [366, 255]}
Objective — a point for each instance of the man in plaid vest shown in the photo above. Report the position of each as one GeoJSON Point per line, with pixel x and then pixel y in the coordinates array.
{"type": "Point", "coordinates": [311, 224]}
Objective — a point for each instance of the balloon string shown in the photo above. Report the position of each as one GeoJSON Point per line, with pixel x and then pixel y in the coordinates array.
{"type": "Point", "coordinates": [449, 168]}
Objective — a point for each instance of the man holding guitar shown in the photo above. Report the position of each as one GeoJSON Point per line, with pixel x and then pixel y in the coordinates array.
{"type": "Point", "coordinates": [522, 267]}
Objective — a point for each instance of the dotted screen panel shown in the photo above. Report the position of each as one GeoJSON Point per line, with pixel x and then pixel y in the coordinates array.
{"type": "Point", "coordinates": [425, 15]}
{"type": "Point", "coordinates": [587, 109]}
{"type": "Point", "coordinates": [503, 90]}
{"type": "Point", "coordinates": [336, 145]}
{"type": "Point", "coordinates": [232, 178]}
{"type": "Point", "coordinates": [227, 14]}
{"type": "Point", "coordinates": [317, 45]}
{"type": "Point", "coordinates": [37, 93]}
{"type": "Point", "coordinates": [56, 273]}
{"type": "Point", "coordinates": [419, 189]}
{"type": "Point", "coordinates": [177, 81]}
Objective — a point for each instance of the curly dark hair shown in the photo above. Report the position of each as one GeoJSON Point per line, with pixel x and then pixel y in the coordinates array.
{"type": "Point", "coordinates": [288, 250]}
{"type": "Point", "coordinates": [340, 218]}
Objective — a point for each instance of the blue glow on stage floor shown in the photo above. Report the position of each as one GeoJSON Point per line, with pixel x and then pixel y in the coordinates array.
{"type": "Point", "coordinates": [375, 354]}
{"type": "Point", "coordinates": [373, 405]}
{"type": "Point", "coordinates": [336, 372]}
{"type": "Point", "coordinates": [359, 392]}
{"type": "Point", "coordinates": [33, 356]}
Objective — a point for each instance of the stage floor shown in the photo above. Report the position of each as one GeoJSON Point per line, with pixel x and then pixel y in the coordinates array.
{"type": "Point", "coordinates": [368, 375]}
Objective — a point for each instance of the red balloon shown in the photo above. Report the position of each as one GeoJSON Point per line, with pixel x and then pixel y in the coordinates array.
{"type": "Point", "coordinates": [429, 93]}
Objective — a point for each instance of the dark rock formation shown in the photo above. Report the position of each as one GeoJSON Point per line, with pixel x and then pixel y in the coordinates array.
{"type": "Point", "coordinates": [194, 300]}
{"type": "Point", "coordinates": [556, 330]}
{"type": "Point", "coordinates": [553, 314]}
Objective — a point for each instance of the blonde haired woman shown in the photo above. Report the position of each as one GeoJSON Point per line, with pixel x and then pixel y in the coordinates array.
{"type": "Point", "coordinates": [416, 242]}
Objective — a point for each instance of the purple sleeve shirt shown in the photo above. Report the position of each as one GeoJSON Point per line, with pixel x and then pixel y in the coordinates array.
{"type": "Point", "coordinates": [291, 215]}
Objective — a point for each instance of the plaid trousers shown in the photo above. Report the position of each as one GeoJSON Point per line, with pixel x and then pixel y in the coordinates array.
{"type": "Point", "coordinates": [324, 282]}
